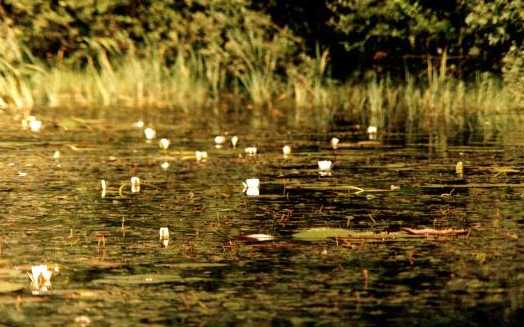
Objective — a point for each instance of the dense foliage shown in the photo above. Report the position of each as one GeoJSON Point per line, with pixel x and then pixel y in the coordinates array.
{"type": "Point", "coordinates": [399, 34]}
{"type": "Point", "coordinates": [222, 32]}
{"type": "Point", "coordinates": [380, 34]}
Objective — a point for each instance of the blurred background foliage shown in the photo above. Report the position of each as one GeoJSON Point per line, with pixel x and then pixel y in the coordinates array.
{"type": "Point", "coordinates": [75, 31]}
{"type": "Point", "coordinates": [394, 35]}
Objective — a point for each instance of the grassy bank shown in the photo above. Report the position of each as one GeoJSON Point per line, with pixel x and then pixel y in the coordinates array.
{"type": "Point", "coordinates": [190, 82]}
{"type": "Point", "coordinates": [209, 54]}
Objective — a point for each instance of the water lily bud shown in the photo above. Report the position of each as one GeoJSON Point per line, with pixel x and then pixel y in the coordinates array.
{"type": "Point", "coordinates": [135, 184]}
{"type": "Point", "coordinates": [286, 150]}
{"type": "Point", "coordinates": [234, 141]}
{"type": "Point", "coordinates": [334, 143]}
{"type": "Point", "coordinates": [459, 168]}
{"type": "Point", "coordinates": [200, 155]}
{"type": "Point", "coordinates": [149, 133]}
{"type": "Point", "coordinates": [164, 236]}
{"type": "Point", "coordinates": [164, 165]}
{"type": "Point", "coordinates": [103, 185]}
{"type": "Point", "coordinates": [164, 143]}
{"type": "Point", "coordinates": [372, 132]}
{"type": "Point", "coordinates": [251, 151]}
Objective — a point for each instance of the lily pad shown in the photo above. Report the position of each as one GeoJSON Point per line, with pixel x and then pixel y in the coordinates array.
{"type": "Point", "coordinates": [11, 273]}
{"type": "Point", "coordinates": [8, 287]}
{"type": "Point", "coordinates": [320, 233]}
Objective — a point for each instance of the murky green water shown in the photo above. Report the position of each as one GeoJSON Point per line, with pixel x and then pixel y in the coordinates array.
{"type": "Point", "coordinates": [114, 272]}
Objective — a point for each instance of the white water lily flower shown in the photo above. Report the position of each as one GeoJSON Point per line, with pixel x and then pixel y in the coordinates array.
{"type": "Point", "coordinates": [164, 143]}
{"type": "Point", "coordinates": [325, 165]}
{"type": "Point", "coordinates": [40, 278]}
{"type": "Point", "coordinates": [234, 141]}
{"type": "Point", "coordinates": [200, 155]}
{"type": "Point", "coordinates": [139, 124]}
{"type": "Point", "coordinates": [83, 320]}
{"type": "Point", "coordinates": [29, 123]}
{"type": "Point", "coordinates": [164, 236]}
{"type": "Point", "coordinates": [372, 132]}
{"type": "Point", "coordinates": [135, 184]}
{"type": "Point", "coordinates": [220, 139]}
{"type": "Point", "coordinates": [56, 155]}
{"type": "Point", "coordinates": [103, 185]}
{"type": "Point", "coordinates": [149, 133]}
{"type": "Point", "coordinates": [164, 165]}
{"type": "Point", "coordinates": [286, 150]}
{"type": "Point", "coordinates": [334, 143]}
{"type": "Point", "coordinates": [251, 151]}
{"type": "Point", "coordinates": [252, 187]}
{"type": "Point", "coordinates": [253, 192]}
{"type": "Point", "coordinates": [35, 125]}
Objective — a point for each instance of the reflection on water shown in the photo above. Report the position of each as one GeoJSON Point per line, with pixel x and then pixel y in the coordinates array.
{"type": "Point", "coordinates": [98, 208]}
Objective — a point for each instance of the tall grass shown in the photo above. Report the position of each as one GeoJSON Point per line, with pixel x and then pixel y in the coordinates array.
{"type": "Point", "coordinates": [311, 87]}
{"type": "Point", "coordinates": [132, 82]}
{"type": "Point", "coordinates": [435, 100]}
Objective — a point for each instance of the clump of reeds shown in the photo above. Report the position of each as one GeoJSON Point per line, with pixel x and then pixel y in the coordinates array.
{"type": "Point", "coordinates": [188, 81]}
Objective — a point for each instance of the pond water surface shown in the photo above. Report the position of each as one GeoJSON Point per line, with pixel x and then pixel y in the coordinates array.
{"type": "Point", "coordinates": [111, 269]}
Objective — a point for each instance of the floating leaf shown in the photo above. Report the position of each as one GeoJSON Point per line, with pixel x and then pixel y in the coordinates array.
{"type": "Point", "coordinates": [146, 279]}
{"type": "Point", "coordinates": [8, 287]}
{"type": "Point", "coordinates": [139, 279]}
{"type": "Point", "coordinates": [320, 233]}
{"type": "Point", "coordinates": [12, 273]}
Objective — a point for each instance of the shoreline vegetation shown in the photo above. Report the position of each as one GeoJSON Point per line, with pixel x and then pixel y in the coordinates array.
{"type": "Point", "coordinates": [201, 54]}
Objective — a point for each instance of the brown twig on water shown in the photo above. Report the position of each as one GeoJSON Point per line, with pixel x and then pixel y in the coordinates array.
{"type": "Point", "coordinates": [436, 232]}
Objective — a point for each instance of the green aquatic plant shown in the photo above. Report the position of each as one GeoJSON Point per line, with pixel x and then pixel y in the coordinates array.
{"type": "Point", "coordinates": [320, 233]}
